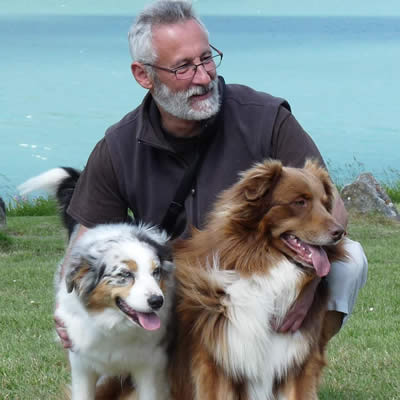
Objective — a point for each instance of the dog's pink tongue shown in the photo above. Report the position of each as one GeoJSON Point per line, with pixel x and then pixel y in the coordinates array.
{"type": "Point", "coordinates": [149, 321]}
{"type": "Point", "coordinates": [320, 260]}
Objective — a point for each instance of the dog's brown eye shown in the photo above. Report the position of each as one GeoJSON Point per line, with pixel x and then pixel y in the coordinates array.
{"type": "Point", "coordinates": [300, 202]}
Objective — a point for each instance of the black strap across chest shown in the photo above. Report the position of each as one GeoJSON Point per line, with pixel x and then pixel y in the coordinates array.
{"type": "Point", "coordinates": [178, 203]}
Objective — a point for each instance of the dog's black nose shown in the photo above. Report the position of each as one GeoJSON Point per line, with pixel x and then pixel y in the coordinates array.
{"type": "Point", "coordinates": [155, 301]}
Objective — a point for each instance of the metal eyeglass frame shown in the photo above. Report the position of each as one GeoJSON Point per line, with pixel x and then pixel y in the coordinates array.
{"type": "Point", "coordinates": [194, 66]}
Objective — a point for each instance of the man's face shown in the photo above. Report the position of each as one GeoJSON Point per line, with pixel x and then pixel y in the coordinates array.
{"type": "Point", "coordinates": [190, 99]}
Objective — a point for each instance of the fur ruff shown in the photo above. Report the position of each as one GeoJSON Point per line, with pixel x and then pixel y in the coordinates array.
{"type": "Point", "coordinates": [260, 248]}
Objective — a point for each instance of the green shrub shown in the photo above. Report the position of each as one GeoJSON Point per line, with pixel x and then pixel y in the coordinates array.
{"type": "Point", "coordinates": [392, 185]}
{"type": "Point", "coordinates": [40, 206]}
{"type": "Point", "coordinates": [393, 191]}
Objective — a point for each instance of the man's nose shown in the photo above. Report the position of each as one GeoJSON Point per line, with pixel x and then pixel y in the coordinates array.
{"type": "Point", "coordinates": [201, 76]}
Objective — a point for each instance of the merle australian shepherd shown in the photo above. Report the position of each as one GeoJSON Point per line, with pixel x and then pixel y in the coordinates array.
{"type": "Point", "coordinates": [115, 298]}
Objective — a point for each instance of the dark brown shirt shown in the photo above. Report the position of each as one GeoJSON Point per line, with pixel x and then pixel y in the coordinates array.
{"type": "Point", "coordinates": [137, 166]}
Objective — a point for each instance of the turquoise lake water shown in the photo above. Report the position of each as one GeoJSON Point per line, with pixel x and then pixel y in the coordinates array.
{"type": "Point", "coordinates": [65, 79]}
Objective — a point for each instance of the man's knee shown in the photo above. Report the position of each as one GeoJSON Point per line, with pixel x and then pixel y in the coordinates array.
{"type": "Point", "coordinates": [357, 264]}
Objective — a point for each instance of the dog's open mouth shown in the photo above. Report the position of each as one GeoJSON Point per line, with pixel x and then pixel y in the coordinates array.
{"type": "Point", "coordinates": [307, 254]}
{"type": "Point", "coordinates": [148, 321]}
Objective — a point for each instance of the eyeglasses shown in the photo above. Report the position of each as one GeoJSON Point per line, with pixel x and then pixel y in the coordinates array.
{"type": "Point", "coordinates": [188, 71]}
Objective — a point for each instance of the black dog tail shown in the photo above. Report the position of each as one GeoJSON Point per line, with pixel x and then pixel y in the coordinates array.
{"type": "Point", "coordinates": [59, 182]}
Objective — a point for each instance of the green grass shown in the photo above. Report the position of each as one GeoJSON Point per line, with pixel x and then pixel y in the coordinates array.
{"type": "Point", "coordinates": [364, 357]}
{"type": "Point", "coordinates": [32, 365]}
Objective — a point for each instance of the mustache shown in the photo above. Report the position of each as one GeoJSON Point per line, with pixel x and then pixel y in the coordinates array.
{"type": "Point", "coordinates": [200, 90]}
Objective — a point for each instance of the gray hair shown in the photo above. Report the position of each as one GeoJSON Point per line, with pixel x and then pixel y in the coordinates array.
{"type": "Point", "coordinates": [161, 12]}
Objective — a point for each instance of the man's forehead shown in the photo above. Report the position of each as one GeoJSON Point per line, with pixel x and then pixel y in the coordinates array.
{"type": "Point", "coordinates": [180, 41]}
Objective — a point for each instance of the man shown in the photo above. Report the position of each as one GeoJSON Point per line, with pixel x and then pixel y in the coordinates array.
{"type": "Point", "coordinates": [188, 111]}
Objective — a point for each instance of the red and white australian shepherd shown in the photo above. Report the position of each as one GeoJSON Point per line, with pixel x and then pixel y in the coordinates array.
{"type": "Point", "coordinates": [267, 238]}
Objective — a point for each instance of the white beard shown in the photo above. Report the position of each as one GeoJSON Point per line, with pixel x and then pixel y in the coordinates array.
{"type": "Point", "coordinates": [179, 104]}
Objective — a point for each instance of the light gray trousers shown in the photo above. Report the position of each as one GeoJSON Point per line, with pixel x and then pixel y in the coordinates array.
{"type": "Point", "coordinates": [346, 278]}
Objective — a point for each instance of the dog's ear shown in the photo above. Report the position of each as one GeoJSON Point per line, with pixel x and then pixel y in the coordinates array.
{"type": "Point", "coordinates": [322, 174]}
{"type": "Point", "coordinates": [164, 253]}
{"type": "Point", "coordinates": [162, 248]}
{"type": "Point", "coordinates": [316, 169]}
{"type": "Point", "coordinates": [261, 178]}
{"type": "Point", "coordinates": [76, 271]}
{"type": "Point", "coordinates": [166, 258]}
{"type": "Point", "coordinates": [250, 199]}
{"type": "Point", "coordinates": [82, 276]}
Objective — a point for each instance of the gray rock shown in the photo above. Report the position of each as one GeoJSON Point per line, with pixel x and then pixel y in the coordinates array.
{"type": "Point", "coordinates": [366, 195]}
{"type": "Point", "coordinates": [3, 220]}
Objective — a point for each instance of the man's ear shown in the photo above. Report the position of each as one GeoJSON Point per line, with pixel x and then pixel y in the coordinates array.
{"type": "Point", "coordinates": [140, 74]}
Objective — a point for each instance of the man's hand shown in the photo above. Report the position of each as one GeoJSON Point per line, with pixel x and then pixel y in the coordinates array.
{"type": "Point", "coordinates": [62, 333]}
{"type": "Point", "coordinates": [60, 327]}
{"type": "Point", "coordinates": [296, 315]}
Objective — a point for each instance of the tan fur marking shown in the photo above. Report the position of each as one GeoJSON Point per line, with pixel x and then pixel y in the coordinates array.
{"type": "Point", "coordinates": [104, 296]}
{"type": "Point", "coordinates": [210, 383]}
{"type": "Point", "coordinates": [131, 264]}
{"type": "Point", "coordinates": [115, 388]}
{"type": "Point", "coordinates": [82, 271]}
{"type": "Point", "coordinates": [163, 282]}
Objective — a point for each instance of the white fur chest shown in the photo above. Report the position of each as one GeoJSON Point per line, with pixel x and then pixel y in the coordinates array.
{"type": "Point", "coordinates": [256, 351]}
